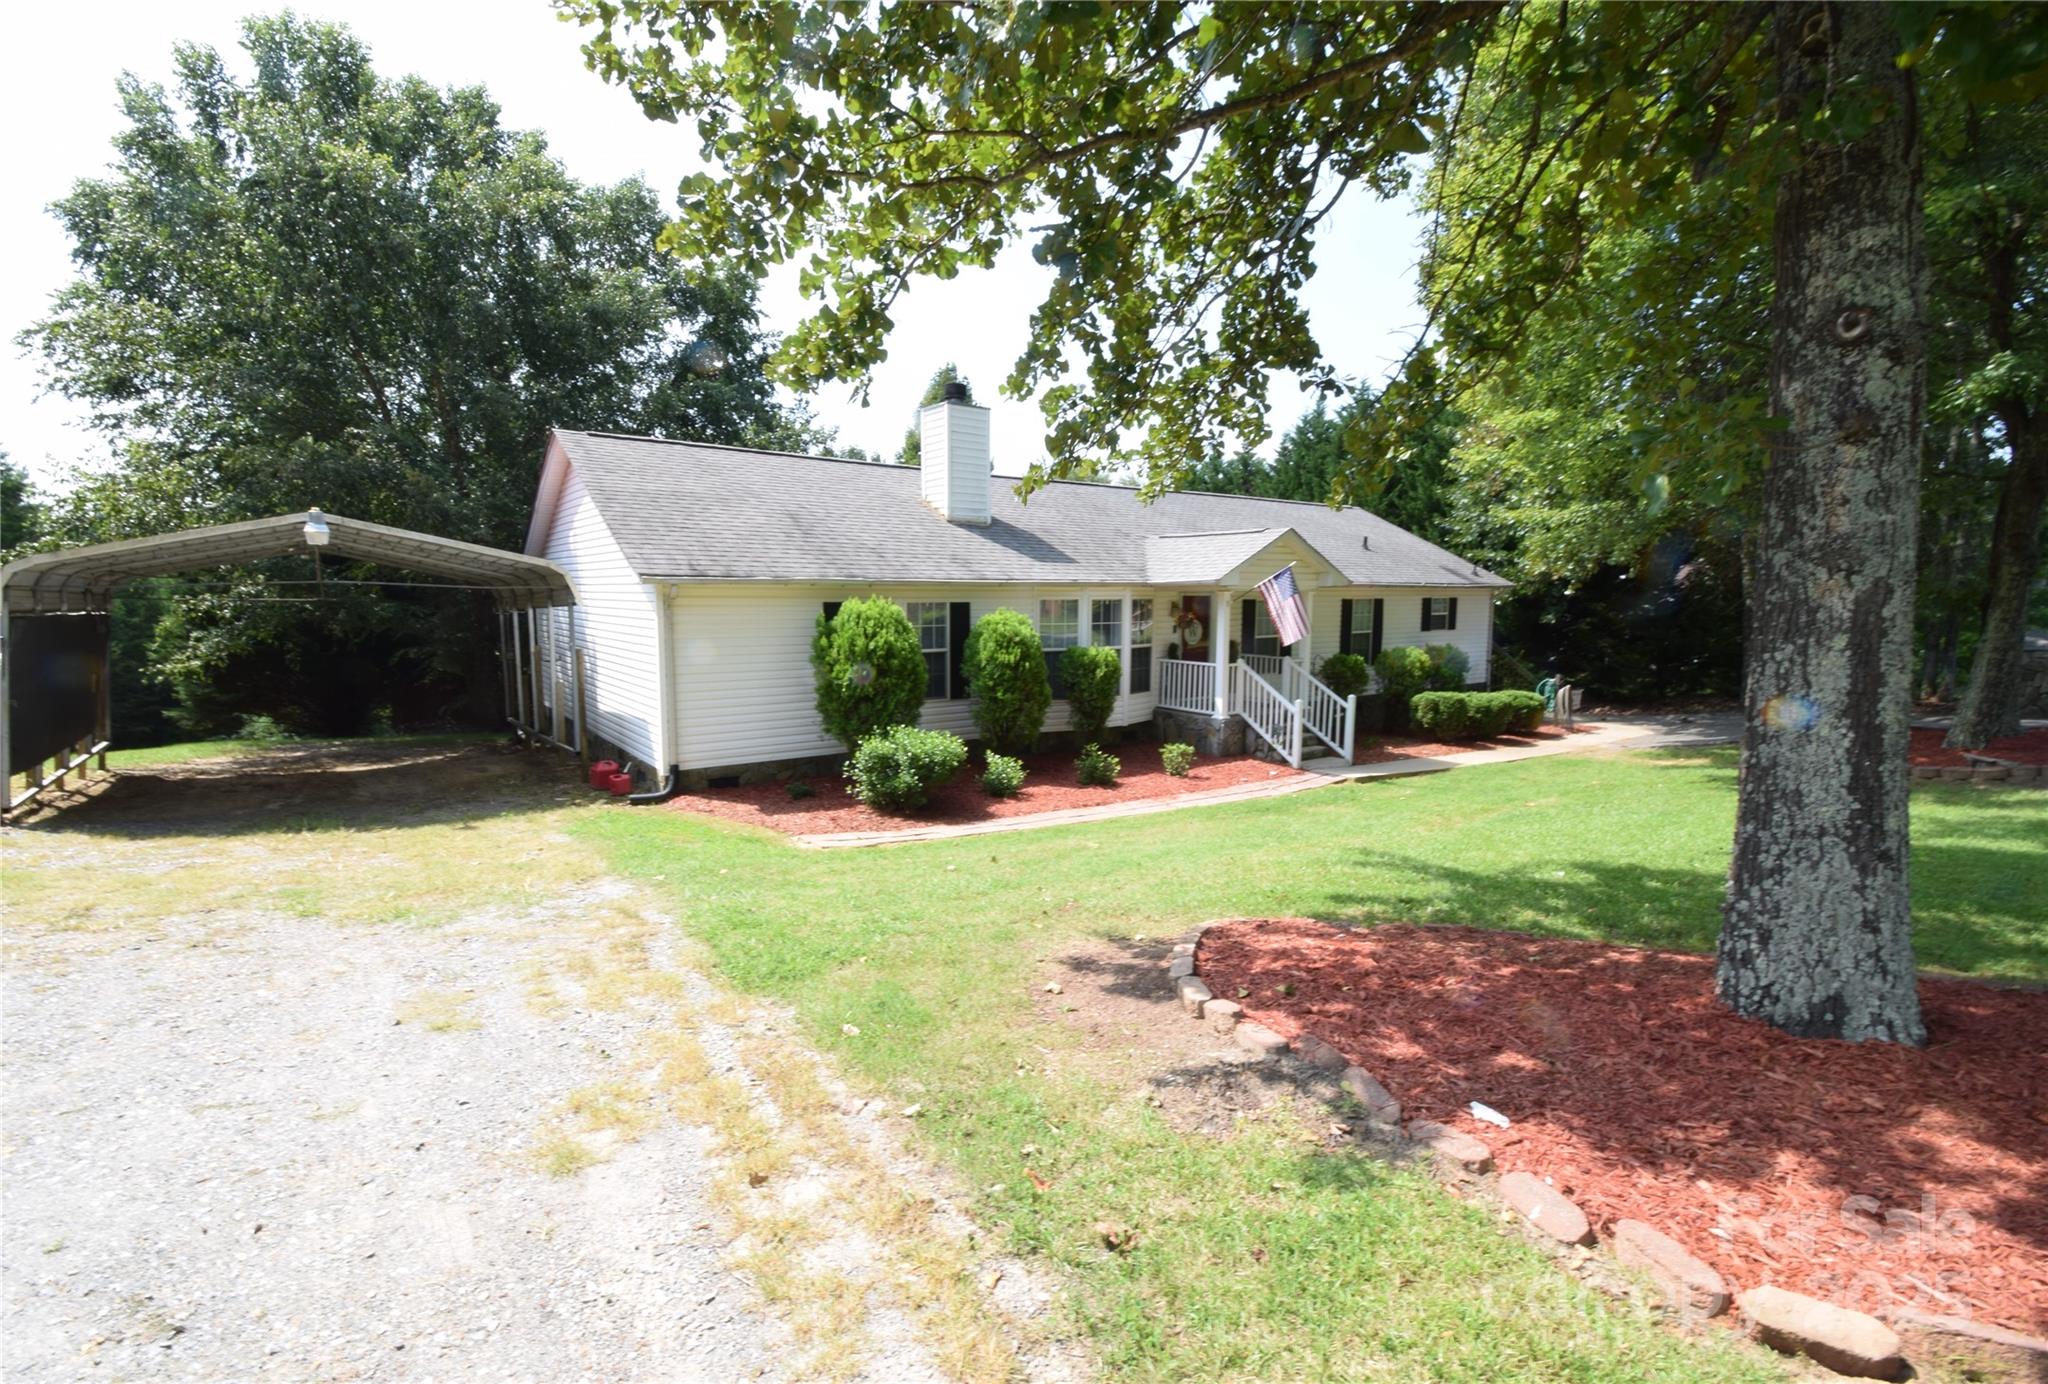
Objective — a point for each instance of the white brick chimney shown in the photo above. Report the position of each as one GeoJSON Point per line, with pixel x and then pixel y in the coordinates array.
{"type": "Point", "coordinates": [953, 450]}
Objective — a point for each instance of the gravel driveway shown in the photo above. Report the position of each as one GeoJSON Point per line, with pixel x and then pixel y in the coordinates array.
{"type": "Point", "coordinates": [243, 1143]}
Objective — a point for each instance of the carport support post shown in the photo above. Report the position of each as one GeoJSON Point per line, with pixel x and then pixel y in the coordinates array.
{"type": "Point", "coordinates": [582, 706]}
{"type": "Point", "coordinates": [504, 662]}
{"type": "Point", "coordinates": [533, 664]}
{"type": "Point", "coordinates": [519, 668]}
{"type": "Point", "coordinates": [105, 734]}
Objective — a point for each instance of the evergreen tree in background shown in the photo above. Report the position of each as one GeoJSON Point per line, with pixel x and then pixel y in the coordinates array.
{"type": "Point", "coordinates": [913, 440]}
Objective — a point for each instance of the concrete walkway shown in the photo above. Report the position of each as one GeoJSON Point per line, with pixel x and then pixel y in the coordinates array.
{"type": "Point", "coordinates": [1614, 733]}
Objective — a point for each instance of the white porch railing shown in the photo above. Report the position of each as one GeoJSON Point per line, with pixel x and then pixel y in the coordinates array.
{"type": "Point", "coordinates": [1287, 699]}
{"type": "Point", "coordinates": [1330, 718]}
{"type": "Point", "coordinates": [1273, 716]}
{"type": "Point", "coordinates": [1186, 685]}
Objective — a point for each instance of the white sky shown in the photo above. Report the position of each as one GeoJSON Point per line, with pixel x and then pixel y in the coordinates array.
{"type": "Point", "coordinates": [62, 109]}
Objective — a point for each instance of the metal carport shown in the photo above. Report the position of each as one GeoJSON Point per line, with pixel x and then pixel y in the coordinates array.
{"type": "Point", "coordinates": [54, 653]}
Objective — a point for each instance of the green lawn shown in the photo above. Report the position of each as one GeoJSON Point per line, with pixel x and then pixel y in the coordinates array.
{"type": "Point", "coordinates": [1361, 1272]}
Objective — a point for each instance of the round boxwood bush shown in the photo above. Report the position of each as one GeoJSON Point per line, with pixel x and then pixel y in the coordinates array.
{"type": "Point", "coordinates": [900, 766]}
{"type": "Point", "coordinates": [1442, 714]}
{"type": "Point", "coordinates": [1092, 676]}
{"type": "Point", "coordinates": [1006, 677]}
{"type": "Point", "coordinates": [1003, 777]}
{"type": "Point", "coordinates": [869, 669]}
{"type": "Point", "coordinates": [1346, 674]}
{"type": "Point", "coordinates": [1177, 757]}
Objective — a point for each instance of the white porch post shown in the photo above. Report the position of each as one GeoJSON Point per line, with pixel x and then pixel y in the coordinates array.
{"type": "Point", "coordinates": [1219, 648]}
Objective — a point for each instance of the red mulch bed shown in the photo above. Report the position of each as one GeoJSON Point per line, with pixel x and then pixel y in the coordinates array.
{"type": "Point", "coordinates": [1048, 787]}
{"type": "Point", "coordinates": [2028, 747]}
{"type": "Point", "coordinates": [1642, 1098]}
{"type": "Point", "coordinates": [1397, 747]}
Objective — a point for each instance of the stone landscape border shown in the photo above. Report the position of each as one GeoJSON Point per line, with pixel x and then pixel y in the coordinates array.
{"type": "Point", "coordinates": [2011, 775]}
{"type": "Point", "coordinates": [1845, 1341]}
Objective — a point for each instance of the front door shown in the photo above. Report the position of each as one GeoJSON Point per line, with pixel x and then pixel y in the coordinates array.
{"type": "Point", "coordinates": [1192, 627]}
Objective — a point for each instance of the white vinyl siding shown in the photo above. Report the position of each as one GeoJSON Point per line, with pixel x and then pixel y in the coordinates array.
{"type": "Point", "coordinates": [743, 684]}
{"type": "Point", "coordinates": [1403, 615]}
{"type": "Point", "coordinates": [614, 622]}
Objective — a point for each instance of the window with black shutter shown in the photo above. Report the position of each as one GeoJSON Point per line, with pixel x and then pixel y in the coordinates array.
{"type": "Point", "coordinates": [1141, 644]}
{"type": "Point", "coordinates": [934, 625]}
{"type": "Point", "coordinates": [1059, 629]}
{"type": "Point", "coordinates": [960, 616]}
{"type": "Point", "coordinates": [1439, 612]}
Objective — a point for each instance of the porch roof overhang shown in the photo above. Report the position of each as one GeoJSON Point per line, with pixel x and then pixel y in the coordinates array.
{"type": "Point", "coordinates": [1223, 558]}
{"type": "Point", "coordinates": [85, 578]}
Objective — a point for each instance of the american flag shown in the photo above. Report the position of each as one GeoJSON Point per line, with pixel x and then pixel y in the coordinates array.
{"type": "Point", "coordinates": [1283, 605]}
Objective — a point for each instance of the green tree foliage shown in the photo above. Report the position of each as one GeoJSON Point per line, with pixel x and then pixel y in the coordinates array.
{"type": "Point", "coordinates": [1345, 674]}
{"type": "Point", "coordinates": [1175, 162]}
{"type": "Point", "coordinates": [1313, 462]}
{"type": "Point", "coordinates": [1006, 675]}
{"type": "Point", "coordinates": [913, 439]}
{"type": "Point", "coordinates": [1092, 676]}
{"type": "Point", "coordinates": [24, 514]}
{"type": "Point", "coordinates": [869, 669]}
{"type": "Point", "coordinates": [316, 285]}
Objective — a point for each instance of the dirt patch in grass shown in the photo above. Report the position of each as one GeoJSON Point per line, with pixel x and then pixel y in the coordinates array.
{"type": "Point", "coordinates": [2028, 747]}
{"type": "Point", "coordinates": [1048, 787]}
{"type": "Point", "coordinates": [1877, 1176]}
{"type": "Point", "coordinates": [1135, 1034]}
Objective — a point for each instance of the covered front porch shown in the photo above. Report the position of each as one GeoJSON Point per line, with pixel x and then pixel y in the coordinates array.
{"type": "Point", "coordinates": [1226, 659]}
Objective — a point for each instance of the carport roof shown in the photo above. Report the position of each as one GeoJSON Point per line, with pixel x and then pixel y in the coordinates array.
{"type": "Point", "coordinates": [75, 579]}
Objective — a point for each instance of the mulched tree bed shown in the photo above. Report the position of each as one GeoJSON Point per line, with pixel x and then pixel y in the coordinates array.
{"type": "Point", "coordinates": [1048, 787]}
{"type": "Point", "coordinates": [2028, 747]}
{"type": "Point", "coordinates": [1876, 1176]}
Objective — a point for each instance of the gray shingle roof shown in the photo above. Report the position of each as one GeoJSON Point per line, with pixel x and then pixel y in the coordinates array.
{"type": "Point", "coordinates": [685, 510]}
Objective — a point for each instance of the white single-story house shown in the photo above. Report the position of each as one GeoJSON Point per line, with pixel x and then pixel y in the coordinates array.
{"type": "Point", "coordinates": [701, 571]}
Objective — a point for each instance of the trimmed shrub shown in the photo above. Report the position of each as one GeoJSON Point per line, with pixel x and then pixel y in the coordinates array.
{"type": "Point", "coordinates": [1346, 674]}
{"type": "Point", "coordinates": [1480, 715]}
{"type": "Point", "coordinates": [900, 766]}
{"type": "Point", "coordinates": [1403, 671]}
{"type": "Point", "coordinates": [1006, 676]}
{"type": "Point", "coordinates": [1525, 709]}
{"type": "Point", "coordinates": [1486, 714]}
{"type": "Point", "coordinates": [1097, 769]}
{"type": "Point", "coordinates": [1448, 665]}
{"type": "Point", "coordinates": [799, 789]}
{"type": "Point", "coordinates": [1092, 676]}
{"type": "Point", "coordinates": [1003, 777]}
{"type": "Point", "coordinates": [1442, 714]}
{"type": "Point", "coordinates": [1177, 758]}
{"type": "Point", "coordinates": [869, 670]}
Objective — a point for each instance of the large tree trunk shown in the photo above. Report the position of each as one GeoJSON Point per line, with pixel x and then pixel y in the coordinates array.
{"type": "Point", "coordinates": [1817, 929]}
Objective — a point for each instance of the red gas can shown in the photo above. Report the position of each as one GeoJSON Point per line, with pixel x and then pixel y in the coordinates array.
{"type": "Point", "coordinates": [620, 784]}
{"type": "Point", "coordinates": [602, 771]}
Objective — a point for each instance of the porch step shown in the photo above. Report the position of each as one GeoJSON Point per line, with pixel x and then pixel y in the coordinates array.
{"type": "Point", "coordinates": [1324, 764]}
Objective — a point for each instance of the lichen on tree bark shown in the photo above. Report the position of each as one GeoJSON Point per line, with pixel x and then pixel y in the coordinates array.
{"type": "Point", "coordinates": [1817, 926]}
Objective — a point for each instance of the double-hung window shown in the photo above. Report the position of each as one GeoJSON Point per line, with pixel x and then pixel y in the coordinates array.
{"type": "Point", "coordinates": [1141, 644]}
{"type": "Point", "coordinates": [1265, 635]}
{"type": "Point", "coordinates": [1439, 612]}
{"type": "Point", "coordinates": [934, 629]}
{"type": "Point", "coordinates": [1360, 629]}
{"type": "Point", "coordinates": [1059, 629]}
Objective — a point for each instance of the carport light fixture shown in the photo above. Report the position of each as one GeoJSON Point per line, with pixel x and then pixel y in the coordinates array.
{"type": "Point", "coordinates": [316, 529]}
